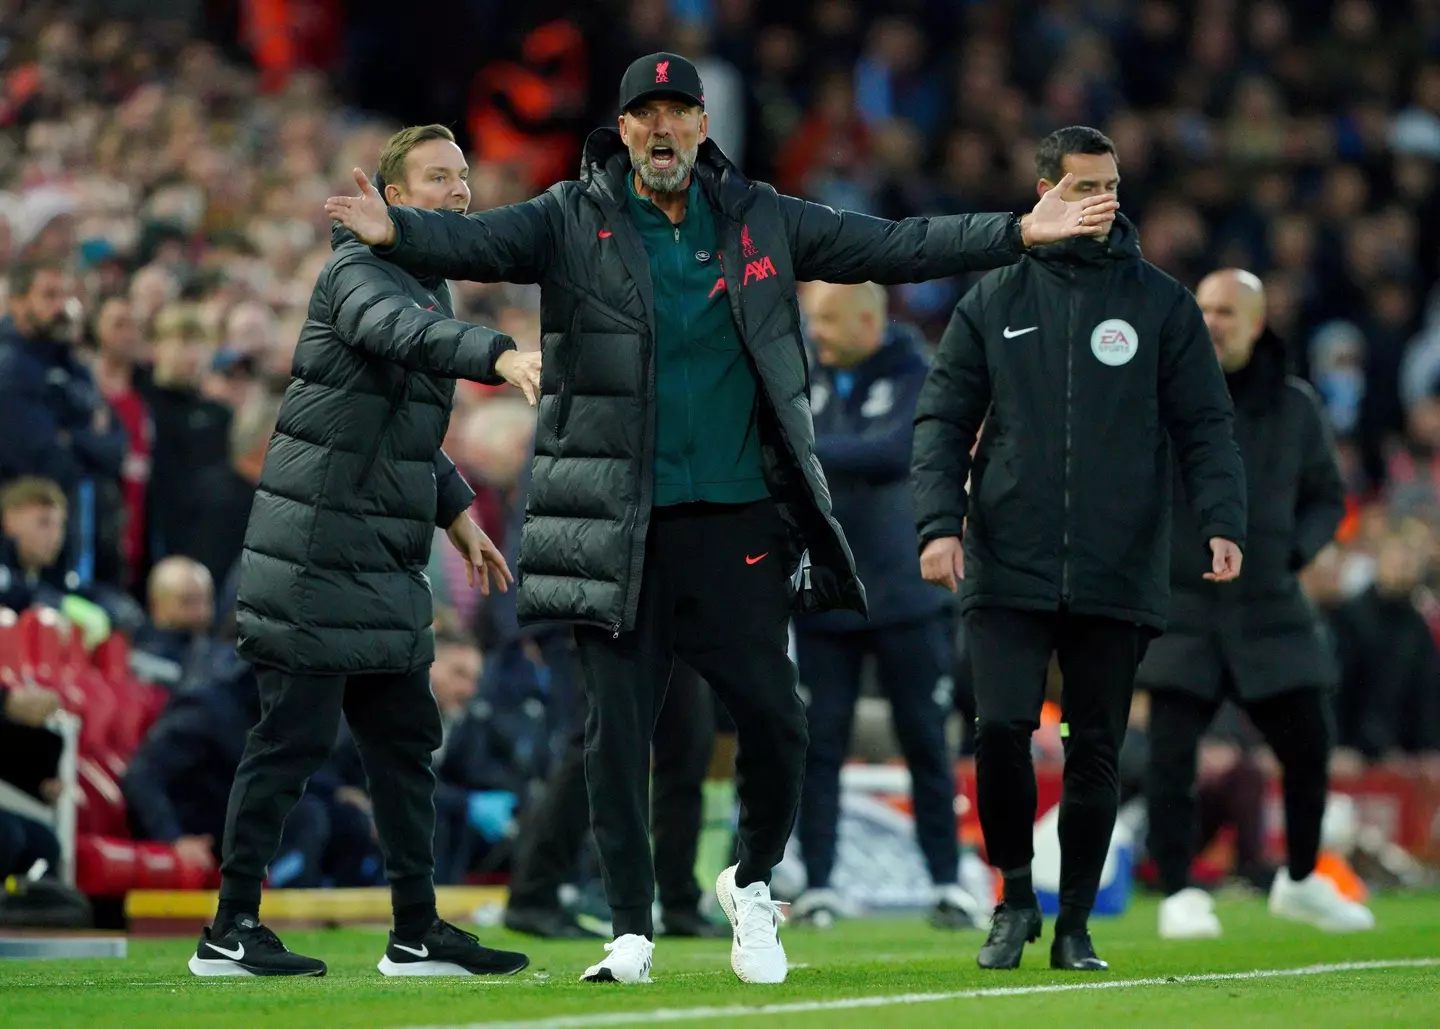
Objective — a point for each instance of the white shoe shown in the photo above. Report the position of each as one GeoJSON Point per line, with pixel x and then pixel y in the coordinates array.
{"type": "Point", "coordinates": [820, 908]}
{"type": "Point", "coordinates": [756, 954]}
{"type": "Point", "coordinates": [1317, 901]}
{"type": "Point", "coordinates": [1188, 915]}
{"type": "Point", "coordinates": [629, 962]}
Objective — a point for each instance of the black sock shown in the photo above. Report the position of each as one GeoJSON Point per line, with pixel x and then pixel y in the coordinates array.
{"type": "Point", "coordinates": [1020, 889]}
{"type": "Point", "coordinates": [229, 912]}
{"type": "Point", "coordinates": [1071, 920]}
{"type": "Point", "coordinates": [413, 921]}
{"type": "Point", "coordinates": [239, 895]}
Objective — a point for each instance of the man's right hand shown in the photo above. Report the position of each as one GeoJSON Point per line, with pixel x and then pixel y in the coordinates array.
{"type": "Point", "coordinates": [942, 562]}
{"type": "Point", "coordinates": [366, 215]}
{"type": "Point", "coordinates": [521, 370]}
{"type": "Point", "coordinates": [31, 705]}
{"type": "Point", "coordinates": [196, 851]}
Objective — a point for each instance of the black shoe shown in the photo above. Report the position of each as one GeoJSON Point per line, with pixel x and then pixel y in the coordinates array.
{"type": "Point", "coordinates": [248, 948]}
{"type": "Point", "coordinates": [446, 950]}
{"type": "Point", "coordinates": [551, 923]}
{"type": "Point", "coordinates": [691, 923]}
{"type": "Point", "coordinates": [1010, 929]}
{"type": "Point", "coordinates": [955, 910]}
{"type": "Point", "coordinates": [1074, 952]}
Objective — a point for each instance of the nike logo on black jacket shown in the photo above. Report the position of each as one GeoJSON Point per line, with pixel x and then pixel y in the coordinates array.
{"type": "Point", "coordinates": [1069, 498]}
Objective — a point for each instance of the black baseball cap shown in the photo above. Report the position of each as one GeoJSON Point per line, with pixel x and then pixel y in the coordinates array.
{"type": "Point", "coordinates": [660, 74]}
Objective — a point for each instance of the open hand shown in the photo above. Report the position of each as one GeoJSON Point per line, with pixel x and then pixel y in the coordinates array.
{"type": "Point", "coordinates": [1225, 561]}
{"type": "Point", "coordinates": [366, 215]}
{"type": "Point", "coordinates": [521, 370]}
{"type": "Point", "coordinates": [942, 562]}
{"type": "Point", "coordinates": [482, 558]}
{"type": "Point", "coordinates": [1055, 218]}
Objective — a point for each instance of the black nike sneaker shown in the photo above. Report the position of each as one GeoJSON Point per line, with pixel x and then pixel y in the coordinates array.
{"type": "Point", "coordinates": [248, 948]}
{"type": "Point", "coordinates": [446, 950]}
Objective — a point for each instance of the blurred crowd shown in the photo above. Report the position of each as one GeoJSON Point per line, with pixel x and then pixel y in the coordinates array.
{"type": "Point", "coordinates": [161, 226]}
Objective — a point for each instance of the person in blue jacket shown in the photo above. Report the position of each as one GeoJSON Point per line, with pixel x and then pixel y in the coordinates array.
{"type": "Point", "coordinates": [863, 394]}
{"type": "Point", "coordinates": [53, 420]}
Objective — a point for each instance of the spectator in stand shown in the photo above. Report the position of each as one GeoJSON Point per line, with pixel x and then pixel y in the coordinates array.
{"type": "Point", "coordinates": [191, 431]}
{"type": "Point", "coordinates": [863, 393]}
{"type": "Point", "coordinates": [32, 535]}
{"type": "Point", "coordinates": [1389, 702]}
{"type": "Point", "coordinates": [24, 841]}
{"type": "Point", "coordinates": [174, 649]}
{"type": "Point", "coordinates": [54, 421]}
{"type": "Point", "coordinates": [119, 351]}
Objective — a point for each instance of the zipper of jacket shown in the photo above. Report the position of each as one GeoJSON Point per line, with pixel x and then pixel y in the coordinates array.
{"type": "Point", "coordinates": [1069, 402]}
{"type": "Point", "coordinates": [677, 250]}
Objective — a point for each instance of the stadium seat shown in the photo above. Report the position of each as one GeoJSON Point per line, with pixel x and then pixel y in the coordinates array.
{"type": "Point", "coordinates": [10, 648]}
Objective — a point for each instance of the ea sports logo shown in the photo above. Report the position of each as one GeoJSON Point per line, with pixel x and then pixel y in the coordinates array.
{"type": "Point", "coordinates": [1114, 342]}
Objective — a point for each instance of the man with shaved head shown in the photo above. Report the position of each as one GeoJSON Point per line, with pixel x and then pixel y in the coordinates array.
{"type": "Point", "coordinates": [863, 394]}
{"type": "Point", "coordinates": [1255, 640]}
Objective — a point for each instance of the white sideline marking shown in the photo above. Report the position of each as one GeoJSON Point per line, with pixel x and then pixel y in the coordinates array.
{"type": "Point", "coordinates": [802, 1007]}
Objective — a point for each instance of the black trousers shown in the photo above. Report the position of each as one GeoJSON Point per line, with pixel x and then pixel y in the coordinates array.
{"type": "Point", "coordinates": [914, 664]}
{"type": "Point", "coordinates": [1010, 652]}
{"type": "Point", "coordinates": [396, 725]}
{"type": "Point", "coordinates": [715, 592]}
{"type": "Point", "coordinates": [1297, 726]}
{"type": "Point", "coordinates": [554, 831]}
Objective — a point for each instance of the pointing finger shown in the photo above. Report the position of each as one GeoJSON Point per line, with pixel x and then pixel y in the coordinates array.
{"type": "Point", "coordinates": [1064, 183]}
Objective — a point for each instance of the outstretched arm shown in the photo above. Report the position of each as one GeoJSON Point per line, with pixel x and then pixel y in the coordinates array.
{"type": "Point", "coordinates": [506, 244]}
{"type": "Point", "coordinates": [842, 246]}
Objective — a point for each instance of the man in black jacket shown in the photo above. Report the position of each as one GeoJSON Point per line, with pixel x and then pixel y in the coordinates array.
{"type": "Point", "coordinates": [1082, 362]}
{"type": "Point", "coordinates": [1259, 639]}
{"type": "Point", "coordinates": [865, 388]}
{"type": "Point", "coordinates": [333, 604]}
{"type": "Point", "coordinates": [676, 493]}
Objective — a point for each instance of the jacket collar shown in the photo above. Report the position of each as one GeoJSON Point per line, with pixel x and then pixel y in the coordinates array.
{"type": "Point", "coordinates": [1122, 244]}
{"type": "Point", "coordinates": [605, 164]}
{"type": "Point", "coordinates": [1257, 386]}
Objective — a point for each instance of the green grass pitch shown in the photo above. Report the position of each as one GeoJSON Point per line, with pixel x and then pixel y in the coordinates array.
{"type": "Point", "coordinates": [871, 973]}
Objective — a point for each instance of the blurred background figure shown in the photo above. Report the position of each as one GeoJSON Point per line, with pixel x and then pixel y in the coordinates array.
{"type": "Point", "coordinates": [863, 393]}
{"type": "Point", "coordinates": [1255, 641]}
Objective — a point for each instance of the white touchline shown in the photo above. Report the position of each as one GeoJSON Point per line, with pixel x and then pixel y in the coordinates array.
{"type": "Point", "coordinates": [659, 1015]}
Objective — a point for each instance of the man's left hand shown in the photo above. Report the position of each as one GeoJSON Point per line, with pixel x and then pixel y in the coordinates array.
{"type": "Point", "coordinates": [1225, 558]}
{"type": "Point", "coordinates": [1054, 218]}
{"type": "Point", "coordinates": [521, 370]}
{"type": "Point", "coordinates": [482, 558]}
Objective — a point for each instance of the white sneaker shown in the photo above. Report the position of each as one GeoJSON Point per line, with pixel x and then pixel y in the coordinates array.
{"type": "Point", "coordinates": [1317, 901]}
{"type": "Point", "coordinates": [820, 908]}
{"type": "Point", "coordinates": [1188, 915]}
{"type": "Point", "coordinates": [629, 962]}
{"type": "Point", "coordinates": [756, 954]}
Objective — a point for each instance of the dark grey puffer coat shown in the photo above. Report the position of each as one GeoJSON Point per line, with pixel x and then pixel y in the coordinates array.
{"type": "Point", "coordinates": [332, 578]}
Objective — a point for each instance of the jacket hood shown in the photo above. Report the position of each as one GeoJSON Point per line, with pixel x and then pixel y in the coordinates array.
{"type": "Point", "coordinates": [1259, 383]}
{"type": "Point", "coordinates": [1123, 244]}
{"type": "Point", "coordinates": [605, 161]}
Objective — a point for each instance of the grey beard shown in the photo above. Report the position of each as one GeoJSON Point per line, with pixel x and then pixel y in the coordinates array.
{"type": "Point", "coordinates": [669, 181]}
